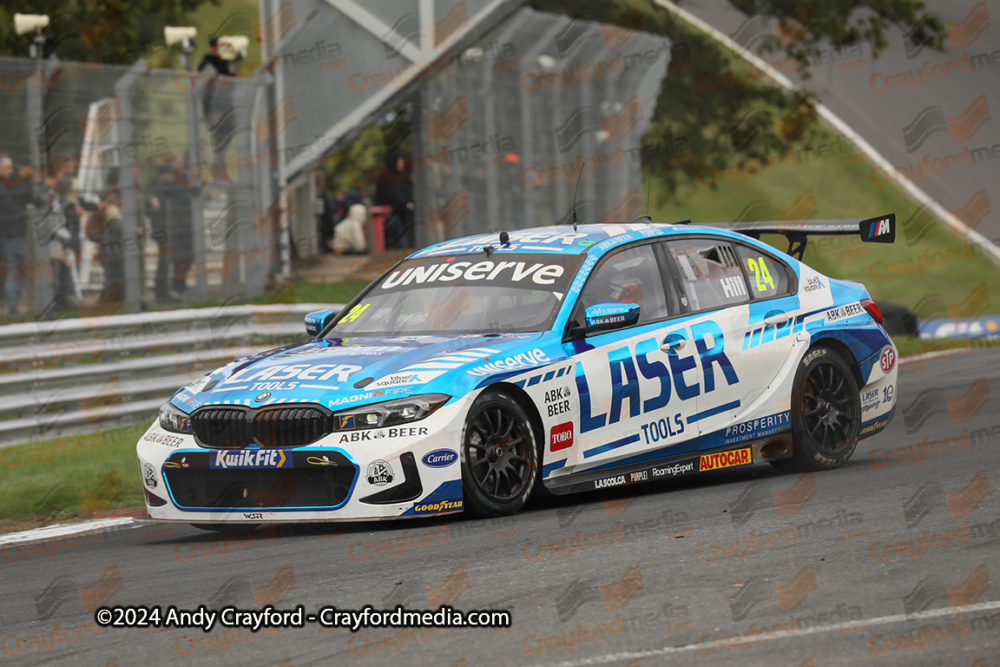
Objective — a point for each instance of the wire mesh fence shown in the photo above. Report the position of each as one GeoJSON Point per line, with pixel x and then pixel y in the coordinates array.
{"type": "Point", "coordinates": [128, 185]}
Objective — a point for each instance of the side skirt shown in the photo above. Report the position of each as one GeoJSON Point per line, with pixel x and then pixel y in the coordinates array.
{"type": "Point", "coordinates": [771, 448]}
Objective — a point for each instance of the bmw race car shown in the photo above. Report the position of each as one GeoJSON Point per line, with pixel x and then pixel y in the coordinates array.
{"type": "Point", "coordinates": [570, 358]}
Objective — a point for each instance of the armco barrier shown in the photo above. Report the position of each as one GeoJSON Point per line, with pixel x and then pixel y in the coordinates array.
{"type": "Point", "coordinates": [62, 377]}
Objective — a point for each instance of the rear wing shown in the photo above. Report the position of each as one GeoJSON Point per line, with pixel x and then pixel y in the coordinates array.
{"type": "Point", "coordinates": [872, 230]}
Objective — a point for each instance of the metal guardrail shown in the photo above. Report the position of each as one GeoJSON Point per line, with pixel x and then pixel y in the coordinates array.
{"type": "Point", "coordinates": [67, 377]}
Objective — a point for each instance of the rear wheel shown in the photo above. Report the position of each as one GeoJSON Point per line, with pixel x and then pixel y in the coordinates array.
{"type": "Point", "coordinates": [499, 456]}
{"type": "Point", "coordinates": [826, 413]}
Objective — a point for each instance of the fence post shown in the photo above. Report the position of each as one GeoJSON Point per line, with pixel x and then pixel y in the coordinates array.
{"type": "Point", "coordinates": [131, 249]}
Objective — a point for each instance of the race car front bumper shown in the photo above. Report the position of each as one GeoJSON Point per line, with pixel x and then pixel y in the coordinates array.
{"type": "Point", "coordinates": [398, 471]}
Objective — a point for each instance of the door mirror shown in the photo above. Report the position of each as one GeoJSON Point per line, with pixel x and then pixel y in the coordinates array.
{"type": "Point", "coordinates": [317, 320]}
{"type": "Point", "coordinates": [609, 316]}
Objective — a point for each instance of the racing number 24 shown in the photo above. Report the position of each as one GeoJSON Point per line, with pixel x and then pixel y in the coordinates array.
{"type": "Point", "coordinates": [761, 274]}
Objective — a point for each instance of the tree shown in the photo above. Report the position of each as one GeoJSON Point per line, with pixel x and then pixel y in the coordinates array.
{"type": "Point", "coordinates": [698, 113]}
{"type": "Point", "coordinates": [114, 32]}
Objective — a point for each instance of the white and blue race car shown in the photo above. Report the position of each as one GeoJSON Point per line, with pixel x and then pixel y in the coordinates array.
{"type": "Point", "coordinates": [570, 358]}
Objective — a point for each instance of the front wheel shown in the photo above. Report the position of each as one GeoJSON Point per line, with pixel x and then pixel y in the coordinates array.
{"type": "Point", "coordinates": [499, 456]}
{"type": "Point", "coordinates": [826, 413]}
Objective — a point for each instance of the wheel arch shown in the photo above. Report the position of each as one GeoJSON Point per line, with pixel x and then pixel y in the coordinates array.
{"type": "Point", "coordinates": [522, 398]}
{"type": "Point", "coordinates": [845, 352]}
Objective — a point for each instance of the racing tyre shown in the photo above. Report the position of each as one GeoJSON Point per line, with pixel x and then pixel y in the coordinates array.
{"type": "Point", "coordinates": [499, 456]}
{"type": "Point", "coordinates": [826, 413]}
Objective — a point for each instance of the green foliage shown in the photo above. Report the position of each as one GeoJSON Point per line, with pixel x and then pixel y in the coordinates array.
{"type": "Point", "coordinates": [713, 106]}
{"type": "Point", "coordinates": [82, 30]}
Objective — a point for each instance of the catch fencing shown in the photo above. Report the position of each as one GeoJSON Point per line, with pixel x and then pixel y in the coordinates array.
{"type": "Point", "coordinates": [179, 167]}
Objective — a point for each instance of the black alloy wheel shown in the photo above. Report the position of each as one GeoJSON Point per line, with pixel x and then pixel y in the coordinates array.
{"type": "Point", "coordinates": [499, 455]}
{"type": "Point", "coordinates": [826, 413]}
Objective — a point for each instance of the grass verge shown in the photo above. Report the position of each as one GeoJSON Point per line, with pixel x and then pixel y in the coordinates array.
{"type": "Point", "coordinates": [89, 475]}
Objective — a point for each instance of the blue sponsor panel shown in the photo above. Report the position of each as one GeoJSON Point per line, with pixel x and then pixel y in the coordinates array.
{"type": "Point", "coordinates": [877, 425]}
{"type": "Point", "coordinates": [970, 327]}
{"type": "Point", "coordinates": [445, 498]}
{"type": "Point", "coordinates": [753, 429]}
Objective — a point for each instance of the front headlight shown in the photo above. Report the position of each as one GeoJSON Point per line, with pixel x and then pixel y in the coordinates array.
{"type": "Point", "coordinates": [173, 420]}
{"type": "Point", "coordinates": [389, 413]}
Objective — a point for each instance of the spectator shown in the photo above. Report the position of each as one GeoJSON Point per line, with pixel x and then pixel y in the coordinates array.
{"type": "Point", "coordinates": [160, 203]}
{"type": "Point", "coordinates": [349, 235]}
{"type": "Point", "coordinates": [326, 215]}
{"type": "Point", "coordinates": [214, 60]}
{"type": "Point", "coordinates": [66, 239]}
{"type": "Point", "coordinates": [13, 233]}
{"type": "Point", "coordinates": [217, 102]}
{"type": "Point", "coordinates": [176, 199]}
{"type": "Point", "coordinates": [395, 190]}
{"type": "Point", "coordinates": [104, 226]}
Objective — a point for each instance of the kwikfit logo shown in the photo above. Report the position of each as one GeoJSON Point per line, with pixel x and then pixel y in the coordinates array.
{"type": "Point", "coordinates": [251, 458]}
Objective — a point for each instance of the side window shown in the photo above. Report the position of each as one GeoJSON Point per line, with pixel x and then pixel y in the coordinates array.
{"type": "Point", "coordinates": [631, 275]}
{"type": "Point", "coordinates": [768, 276]}
{"type": "Point", "coordinates": [709, 273]}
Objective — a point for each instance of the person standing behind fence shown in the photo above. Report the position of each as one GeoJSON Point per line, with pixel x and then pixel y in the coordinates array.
{"type": "Point", "coordinates": [67, 238]}
{"type": "Point", "coordinates": [395, 190]}
{"type": "Point", "coordinates": [160, 202]}
{"type": "Point", "coordinates": [13, 233]}
{"type": "Point", "coordinates": [176, 200]}
{"type": "Point", "coordinates": [104, 226]}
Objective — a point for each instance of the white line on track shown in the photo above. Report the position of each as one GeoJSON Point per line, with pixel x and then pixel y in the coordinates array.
{"type": "Point", "coordinates": [67, 529]}
{"type": "Point", "coordinates": [957, 226]}
{"type": "Point", "coordinates": [775, 636]}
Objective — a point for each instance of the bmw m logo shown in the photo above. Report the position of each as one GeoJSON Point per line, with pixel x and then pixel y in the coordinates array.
{"type": "Point", "coordinates": [262, 397]}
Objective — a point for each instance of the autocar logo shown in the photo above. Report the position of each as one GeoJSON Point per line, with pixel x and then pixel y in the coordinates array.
{"type": "Point", "coordinates": [380, 473]}
{"type": "Point", "coordinates": [439, 458]}
{"type": "Point", "coordinates": [262, 397]}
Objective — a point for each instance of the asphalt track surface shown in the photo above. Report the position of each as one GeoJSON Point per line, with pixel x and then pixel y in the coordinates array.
{"type": "Point", "coordinates": [906, 111]}
{"type": "Point", "coordinates": [819, 583]}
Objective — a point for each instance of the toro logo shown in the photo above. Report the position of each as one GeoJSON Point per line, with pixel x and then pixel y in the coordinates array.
{"type": "Point", "coordinates": [251, 458]}
{"type": "Point", "coordinates": [561, 437]}
{"type": "Point", "coordinates": [737, 457]}
{"type": "Point", "coordinates": [888, 359]}
{"type": "Point", "coordinates": [439, 458]}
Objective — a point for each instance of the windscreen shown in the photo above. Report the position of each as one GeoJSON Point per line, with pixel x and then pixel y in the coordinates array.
{"type": "Point", "coordinates": [464, 294]}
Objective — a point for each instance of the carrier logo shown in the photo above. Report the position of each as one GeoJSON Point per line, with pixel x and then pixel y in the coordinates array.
{"type": "Point", "coordinates": [439, 458]}
{"type": "Point", "coordinates": [251, 458]}
{"type": "Point", "coordinates": [561, 437]}
{"type": "Point", "coordinates": [737, 457]}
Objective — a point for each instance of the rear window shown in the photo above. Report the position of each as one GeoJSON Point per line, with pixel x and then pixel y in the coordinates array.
{"type": "Point", "coordinates": [768, 276]}
{"type": "Point", "coordinates": [472, 293]}
{"type": "Point", "coordinates": [709, 273]}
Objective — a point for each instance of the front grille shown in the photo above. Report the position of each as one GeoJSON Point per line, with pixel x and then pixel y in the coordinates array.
{"type": "Point", "coordinates": [275, 426]}
{"type": "Point", "coordinates": [318, 479]}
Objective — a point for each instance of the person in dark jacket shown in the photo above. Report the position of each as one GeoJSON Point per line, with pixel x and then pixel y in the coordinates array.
{"type": "Point", "coordinates": [395, 190]}
{"type": "Point", "coordinates": [14, 196]}
{"type": "Point", "coordinates": [160, 205]}
{"type": "Point", "coordinates": [67, 236]}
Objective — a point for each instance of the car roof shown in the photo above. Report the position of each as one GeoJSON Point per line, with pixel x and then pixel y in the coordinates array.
{"type": "Point", "coordinates": [565, 239]}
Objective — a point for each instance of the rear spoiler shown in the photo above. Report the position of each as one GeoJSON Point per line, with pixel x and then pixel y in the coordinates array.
{"type": "Point", "coordinates": [873, 230]}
